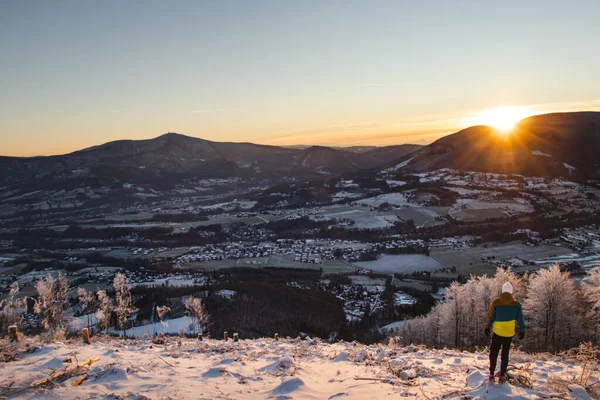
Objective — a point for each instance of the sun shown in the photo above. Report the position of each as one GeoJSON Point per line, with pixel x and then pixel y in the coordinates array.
{"type": "Point", "coordinates": [502, 118]}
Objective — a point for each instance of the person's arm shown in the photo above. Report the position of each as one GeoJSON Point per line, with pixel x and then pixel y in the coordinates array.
{"type": "Point", "coordinates": [491, 316]}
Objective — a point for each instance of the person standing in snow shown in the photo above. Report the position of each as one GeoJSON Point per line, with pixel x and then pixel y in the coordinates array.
{"type": "Point", "coordinates": [503, 315]}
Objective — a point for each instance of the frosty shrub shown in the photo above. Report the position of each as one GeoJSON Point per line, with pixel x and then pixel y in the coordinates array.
{"type": "Point", "coordinates": [161, 311]}
{"type": "Point", "coordinates": [395, 342]}
{"type": "Point", "coordinates": [123, 302]}
{"type": "Point", "coordinates": [54, 335]}
{"type": "Point", "coordinates": [85, 300]}
{"type": "Point", "coordinates": [196, 309]}
{"type": "Point", "coordinates": [74, 326]}
{"type": "Point", "coordinates": [105, 309]}
{"type": "Point", "coordinates": [52, 301]}
{"type": "Point", "coordinates": [586, 355]}
{"type": "Point", "coordinates": [11, 308]}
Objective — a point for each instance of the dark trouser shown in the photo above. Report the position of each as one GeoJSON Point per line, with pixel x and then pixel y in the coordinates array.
{"type": "Point", "coordinates": [497, 342]}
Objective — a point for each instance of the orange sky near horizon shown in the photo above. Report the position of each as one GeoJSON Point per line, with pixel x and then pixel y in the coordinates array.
{"type": "Point", "coordinates": [370, 133]}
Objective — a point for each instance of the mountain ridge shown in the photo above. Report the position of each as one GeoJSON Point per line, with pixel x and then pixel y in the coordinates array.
{"type": "Point", "coordinates": [176, 156]}
{"type": "Point", "coordinates": [555, 145]}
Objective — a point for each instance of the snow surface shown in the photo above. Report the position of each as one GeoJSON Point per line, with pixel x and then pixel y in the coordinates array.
{"type": "Point", "coordinates": [467, 192]}
{"type": "Point", "coordinates": [260, 369]}
{"type": "Point", "coordinates": [398, 166]}
{"type": "Point", "coordinates": [173, 326]}
{"type": "Point", "coordinates": [394, 199]}
{"type": "Point", "coordinates": [375, 221]}
{"type": "Point", "coordinates": [540, 153]}
{"type": "Point", "coordinates": [404, 264]}
{"type": "Point", "coordinates": [392, 327]}
{"type": "Point", "coordinates": [570, 167]}
{"type": "Point", "coordinates": [395, 183]}
{"type": "Point", "coordinates": [345, 195]}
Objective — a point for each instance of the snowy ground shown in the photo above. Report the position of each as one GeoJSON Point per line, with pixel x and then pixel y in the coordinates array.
{"type": "Point", "coordinates": [374, 221]}
{"type": "Point", "coordinates": [183, 325]}
{"type": "Point", "coordinates": [345, 195]}
{"type": "Point", "coordinates": [262, 369]}
{"type": "Point", "coordinates": [394, 199]}
{"type": "Point", "coordinates": [403, 264]}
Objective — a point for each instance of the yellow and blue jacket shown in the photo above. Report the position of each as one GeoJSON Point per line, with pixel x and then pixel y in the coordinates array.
{"type": "Point", "coordinates": [503, 314]}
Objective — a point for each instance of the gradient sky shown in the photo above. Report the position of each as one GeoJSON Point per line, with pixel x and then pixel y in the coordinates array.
{"type": "Point", "coordinates": [78, 73]}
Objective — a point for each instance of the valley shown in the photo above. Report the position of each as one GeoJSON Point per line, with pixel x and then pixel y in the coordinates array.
{"type": "Point", "coordinates": [377, 245]}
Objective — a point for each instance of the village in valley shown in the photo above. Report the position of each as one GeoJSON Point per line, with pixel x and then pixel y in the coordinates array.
{"type": "Point", "coordinates": [385, 245]}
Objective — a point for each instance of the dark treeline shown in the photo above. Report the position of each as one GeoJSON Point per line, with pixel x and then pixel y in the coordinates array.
{"type": "Point", "coordinates": [264, 303]}
{"type": "Point", "coordinates": [262, 308]}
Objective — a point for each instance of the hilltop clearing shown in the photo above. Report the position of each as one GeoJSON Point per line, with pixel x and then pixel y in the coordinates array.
{"type": "Point", "coordinates": [286, 369]}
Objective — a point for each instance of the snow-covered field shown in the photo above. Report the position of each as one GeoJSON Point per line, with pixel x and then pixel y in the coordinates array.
{"type": "Point", "coordinates": [345, 195]}
{"type": "Point", "coordinates": [517, 206]}
{"type": "Point", "coordinates": [363, 219]}
{"type": "Point", "coordinates": [374, 221]}
{"type": "Point", "coordinates": [588, 261]}
{"type": "Point", "coordinates": [394, 199]}
{"type": "Point", "coordinates": [183, 325]}
{"type": "Point", "coordinates": [540, 153]}
{"type": "Point", "coordinates": [395, 183]}
{"type": "Point", "coordinates": [403, 264]}
{"type": "Point", "coordinates": [262, 369]}
{"type": "Point", "coordinates": [399, 165]}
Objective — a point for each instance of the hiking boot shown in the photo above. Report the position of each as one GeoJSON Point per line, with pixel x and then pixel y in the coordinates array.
{"type": "Point", "coordinates": [502, 378]}
{"type": "Point", "coordinates": [491, 377]}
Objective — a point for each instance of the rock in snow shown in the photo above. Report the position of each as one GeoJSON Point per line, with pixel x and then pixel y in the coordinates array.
{"type": "Point", "coordinates": [408, 374]}
{"type": "Point", "coordinates": [579, 393]}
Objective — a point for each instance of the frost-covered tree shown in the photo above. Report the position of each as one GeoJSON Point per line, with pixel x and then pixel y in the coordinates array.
{"type": "Point", "coordinates": [551, 311]}
{"type": "Point", "coordinates": [197, 310]}
{"type": "Point", "coordinates": [11, 307]}
{"type": "Point", "coordinates": [52, 301]}
{"type": "Point", "coordinates": [105, 309]}
{"type": "Point", "coordinates": [591, 294]}
{"type": "Point", "coordinates": [161, 311]}
{"type": "Point", "coordinates": [123, 301]}
{"type": "Point", "coordinates": [554, 309]}
{"type": "Point", "coordinates": [460, 320]}
{"type": "Point", "coordinates": [85, 300]}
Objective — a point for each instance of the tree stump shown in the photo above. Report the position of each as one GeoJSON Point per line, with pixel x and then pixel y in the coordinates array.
{"type": "Point", "coordinates": [13, 333]}
{"type": "Point", "coordinates": [225, 336]}
{"type": "Point", "coordinates": [200, 336]}
{"type": "Point", "coordinates": [236, 337]}
{"type": "Point", "coordinates": [85, 333]}
{"type": "Point", "coordinates": [277, 337]}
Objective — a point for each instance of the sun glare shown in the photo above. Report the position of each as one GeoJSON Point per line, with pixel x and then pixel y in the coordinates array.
{"type": "Point", "coordinates": [502, 118]}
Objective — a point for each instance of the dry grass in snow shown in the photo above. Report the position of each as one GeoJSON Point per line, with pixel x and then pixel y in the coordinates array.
{"type": "Point", "coordinates": [261, 369]}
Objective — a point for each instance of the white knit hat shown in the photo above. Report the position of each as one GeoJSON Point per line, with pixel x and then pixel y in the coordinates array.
{"type": "Point", "coordinates": [507, 288]}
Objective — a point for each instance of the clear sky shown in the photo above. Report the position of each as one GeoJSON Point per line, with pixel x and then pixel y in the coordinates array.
{"type": "Point", "coordinates": [78, 73]}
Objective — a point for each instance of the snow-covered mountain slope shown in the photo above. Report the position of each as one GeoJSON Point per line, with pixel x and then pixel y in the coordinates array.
{"type": "Point", "coordinates": [259, 369]}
